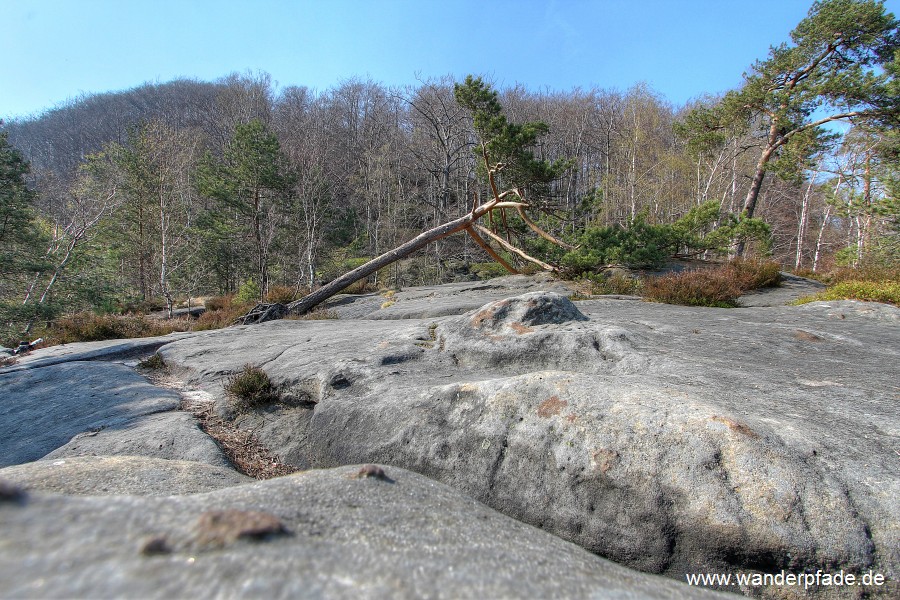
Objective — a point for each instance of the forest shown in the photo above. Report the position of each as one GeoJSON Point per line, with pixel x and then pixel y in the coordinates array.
{"type": "Point", "coordinates": [125, 201]}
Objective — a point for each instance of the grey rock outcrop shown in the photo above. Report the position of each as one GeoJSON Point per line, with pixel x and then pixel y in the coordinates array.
{"type": "Point", "coordinates": [667, 438]}
{"type": "Point", "coordinates": [169, 435]}
{"type": "Point", "coordinates": [343, 533]}
{"type": "Point", "coordinates": [121, 475]}
{"type": "Point", "coordinates": [426, 302]}
{"type": "Point", "coordinates": [43, 408]}
{"type": "Point", "coordinates": [105, 350]}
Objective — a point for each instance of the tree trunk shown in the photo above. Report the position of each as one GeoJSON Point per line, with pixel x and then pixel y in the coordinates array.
{"type": "Point", "coordinates": [804, 217]}
{"type": "Point", "coordinates": [753, 193]}
{"type": "Point", "coordinates": [265, 312]}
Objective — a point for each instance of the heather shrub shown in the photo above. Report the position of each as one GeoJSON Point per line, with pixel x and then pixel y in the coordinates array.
{"type": "Point", "coordinates": [693, 288]}
{"type": "Point", "coordinates": [281, 294]}
{"type": "Point", "coordinates": [89, 327]}
{"type": "Point", "coordinates": [216, 319]}
{"type": "Point", "coordinates": [218, 302]}
{"type": "Point", "coordinates": [250, 388]}
{"type": "Point", "coordinates": [153, 363]}
{"type": "Point", "coordinates": [319, 314]}
{"type": "Point", "coordinates": [616, 284]}
{"type": "Point", "coordinates": [752, 274]}
{"type": "Point", "coordinates": [363, 286]}
{"type": "Point", "coordinates": [864, 272]}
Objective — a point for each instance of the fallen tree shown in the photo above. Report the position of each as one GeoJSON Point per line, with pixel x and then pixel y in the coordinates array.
{"type": "Point", "coordinates": [507, 163]}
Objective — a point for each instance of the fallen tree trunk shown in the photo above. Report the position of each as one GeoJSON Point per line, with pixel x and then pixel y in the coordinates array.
{"type": "Point", "coordinates": [267, 312]}
{"type": "Point", "coordinates": [510, 141]}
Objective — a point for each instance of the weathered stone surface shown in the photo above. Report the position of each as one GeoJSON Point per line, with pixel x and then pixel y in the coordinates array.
{"type": "Point", "coordinates": [425, 302]}
{"type": "Point", "coordinates": [109, 475]}
{"type": "Point", "coordinates": [668, 438]}
{"type": "Point", "coordinates": [90, 351]}
{"type": "Point", "coordinates": [325, 534]}
{"type": "Point", "coordinates": [43, 408]}
{"type": "Point", "coordinates": [791, 288]}
{"type": "Point", "coordinates": [169, 435]}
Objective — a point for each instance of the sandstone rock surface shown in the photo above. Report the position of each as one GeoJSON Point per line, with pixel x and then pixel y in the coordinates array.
{"type": "Point", "coordinates": [670, 439]}
{"type": "Point", "coordinates": [121, 475]}
{"type": "Point", "coordinates": [105, 350]}
{"type": "Point", "coordinates": [43, 408]}
{"type": "Point", "coordinates": [666, 438]}
{"type": "Point", "coordinates": [324, 534]}
{"type": "Point", "coordinates": [169, 435]}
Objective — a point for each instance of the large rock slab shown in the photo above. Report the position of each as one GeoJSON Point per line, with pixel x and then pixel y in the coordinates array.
{"type": "Point", "coordinates": [105, 350]}
{"type": "Point", "coordinates": [324, 534]}
{"type": "Point", "coordinates": [423, 302]}
{"type": "Point", "coordinates": [791, 288]}
{"type": "Point", "coordinates": [170, 435]}
{"type": "Point", "coordinates": [43, 408]}
{"type": "Point", "coordinates": [113, 475]}
{"type": "Point", "coordinates": [668, 438]}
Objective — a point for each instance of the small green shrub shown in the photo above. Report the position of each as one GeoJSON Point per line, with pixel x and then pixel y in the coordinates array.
{"type": "Point", "coordinates": [248, 293]}
{"type": "Point", "coordinates": [153, 363]}
{"type": "Point", "coordinates": [693, 288]}
{"type": "Point", "coordinates": [872, 291]}
{"type": "Point", "coordinates": [250, 388]}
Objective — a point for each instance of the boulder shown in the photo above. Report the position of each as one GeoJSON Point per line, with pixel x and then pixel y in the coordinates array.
{"type": "Point", "coordinates": [121, 475]}
{"type": "Point", "coordinates": [667, 438]}
{"type": "Point", "coordinates": [43, 408]}
{"type": "Point", "coordinates": [370, 532]}
{"type": "Point", "coordinates": [424, 302]}
{"type": "Point", "coordinates": [88, 351]}
{"type": "Point", "coordinates": [169, 435]}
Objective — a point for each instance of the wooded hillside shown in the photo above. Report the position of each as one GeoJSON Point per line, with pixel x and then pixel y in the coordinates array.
{"type": "Point", "coordinates": [189, 188]}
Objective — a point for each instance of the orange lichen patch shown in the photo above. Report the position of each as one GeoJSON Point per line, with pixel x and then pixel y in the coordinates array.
{"type": "Point", "coordinates": [488, 314]}
{"type": "Point", "coordinates": [571, 418]}
{"type": "Point", "coordinates": [805, 336]}
{"type": "Point", "coordinates": [603, 460]}
{"type": "Point", "coordinates": [223, 527]}
{"type": "Point", "coordinates": [551, 406]}
{"type": "Point", "coordinates": [736, 427]}
{"type": "Point", "coordinates": [520, 329]}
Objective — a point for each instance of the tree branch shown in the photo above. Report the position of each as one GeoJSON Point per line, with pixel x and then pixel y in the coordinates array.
{"type": "Point", "coordinates": [484, 246]}
{"type": "Point", "coordinates": [540, 231]}
{"type": "Point", "coordinates": [514, 250]}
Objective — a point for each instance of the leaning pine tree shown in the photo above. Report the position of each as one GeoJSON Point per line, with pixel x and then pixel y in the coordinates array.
{"type": "Point", "coordinates": [841, 67]}
{"type": "Point", "coordinates": [512, 173]}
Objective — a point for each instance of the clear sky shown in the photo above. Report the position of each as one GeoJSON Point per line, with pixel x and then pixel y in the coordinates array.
{"type": "Point", "coordinates": [53, 50]}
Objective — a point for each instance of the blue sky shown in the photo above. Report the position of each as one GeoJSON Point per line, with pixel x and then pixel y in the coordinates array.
{"type": "Point", "coordinates": [54, 50]}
